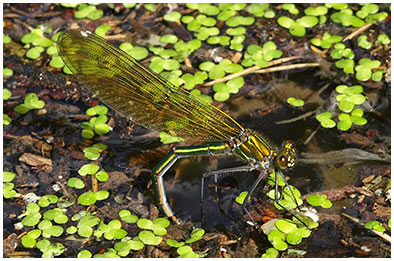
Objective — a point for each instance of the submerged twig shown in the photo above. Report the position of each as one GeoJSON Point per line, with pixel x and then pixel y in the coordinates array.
{"type": "Point", "coordinates": [312, 135]}
{"type": "Point", "coordinates": [288, 67]}
{"type": "Point", "coordinates": [357, 32]}
{"type": "Point", "coordinates": [381, 234]}
{"type": "Point", "coordinates": [301, 117]}
{"type": "Point", "coordinates": [251, 70]}
{"type": "Point", "coordinates": [346, 156]}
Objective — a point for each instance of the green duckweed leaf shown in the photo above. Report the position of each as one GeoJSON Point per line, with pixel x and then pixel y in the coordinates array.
{"type": "Point", "coordinates": [295, 102]}
{"type": "Point", "coordinates": [294, 237]}
{"type": "Point", "coordinates": [8, 176]}
{"type": "Point", "coordinates": [7, 72]}
{"type": "Point", "coordinates": [101, 176]}
{"type": "Point", "coordinates": [172, 17]}
{"type": "Point", "coordinates": [71, 230]}
{"type": "Point", "coordinates": [144, 223]}
{"type": "Point", "coordinates": [101, 195]}
{"type": "Point", "coordinates": [102, 30]}
{"type": "Point", "coordinates": [241, 197]}
{"type": "Point", "coordinates": [174, 243]}
{"type": "Point", "coordinates": [84, 254]}
{"type": "Point", "coordinates": [88, 169]}
{"type": "Point", "coordinates": [87, 198]}
{"type": "Point", "coordinates": [285, 226]}
{"type": "Point", "coordinates": [75, 183]}
{"type": "Point", "coordinates": [297, 29]}
{"type": "Point", "coordinates": [148, 238]}
{"type": "Point", "coordinates": [270, 253]}
{"type": "Point", "coordinates": [285, 21]}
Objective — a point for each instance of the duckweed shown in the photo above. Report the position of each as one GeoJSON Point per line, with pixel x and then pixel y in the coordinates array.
{"type": "Point", "coordinates": [7, 72]}
{"type": "Point", "coordinates": [258, 9]}
{"type": "Point", "coordinates": [374, 225]}
{"type": "Point", "coordinates": [295, 102]}
{"type": "Point", "coordinates": [31, 102]}
{"type": "Point", "coordinates": [126, 216]}
{"type": "Point", "coordinates": [88, 11]}
{"type": "Point", "coordinates": [319, 200]}
{"type": "Point", "coordinates": [363, 42]}
{"type": "Point", "coordinates": [326, 41]}
{"type": "Point", "coordinates": [102, 29]}
{"type": "Point", "coordinates": [340, 51]}
{"type": "Point", "coordinates": [270, 253]}
{"type": "Point", "coordinates": [166, 138]}
{"type": "Point", "coordinates": [291, 8]}
{"type": "Point", "coordinates": [172, 17]}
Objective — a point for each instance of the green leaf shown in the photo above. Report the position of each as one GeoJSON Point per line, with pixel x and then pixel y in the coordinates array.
{"type": "Point", "coordinates": [148, 238]}
{"type": "Point", "coordinates": [346, 105]}
{"type": "Point", "coordinates": [101, 195]}
{"type": "Point", "coordinates": [172, 17]}
{"type": "Point", "coordinates": [297, 29]}
{"type": "Point", "coordinates": [8, 176]}
{"type": "Point", "coordinates": [101, 176]}
{"type": "Point", "coordinates": [344, 125]}
{"type": "Point", "coordinates": [56, 62]}
{"type": "Point", "coordinates": [168, 139]}
{"type": "Point", "coordinates": [138, 53]}
{"type": "Point", "coordinates": [42, 41]}
{"type": "Point", "coordinates": [221, 96]}
{"type": "Point", "coordinates": [84, 254]}
{"type": "Point", "coordinates": [75, 183]}
{"type": "Point", "coordinates": [316, 200]}
{"type": "Point", "coordinates": [294, 237]}
{"type": "Point", "coordinates": [102, 30]}
{"type": "Point", "coordinates": [308, 21]}
{"type": "Point", "coordinates": [87, 198]}
{"type": "Point", "coordinates": [7, 72]}
{"type": "Point", "coordinates": [34, 52]}
{"type": "Point", "coordinates": [285, 226]}
{"type": "Point", "coordinates": [169, 38]}
{"type": "Point", "coordinates": [358, 120]}
{"type": "Point", "coordinates": [85, 231]}
{"type": "Point", "coordinates": [241, 197]}
{"type": "Point", "coordinates": [295, 102]}
{"type": "Point", "coordinates": [173, 243]}
{"type": "Point", "coordinates": [144, 223]}
{"type": "Point", "coordinates": [88, 169]}
{"type": "Point", "coordinates": [285, 22]}
{"type": "Point", "coordinates": [270, 253]}
{"type": "Point", "coordinates": [161, 222]}
{"type": "Point", "coordinates": [28, 241]}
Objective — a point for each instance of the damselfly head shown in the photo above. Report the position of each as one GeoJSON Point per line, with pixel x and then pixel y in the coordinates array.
{"type": "Point", "coordinates": [287, 155]}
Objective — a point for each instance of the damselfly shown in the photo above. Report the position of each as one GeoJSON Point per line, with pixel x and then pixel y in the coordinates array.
{"type": "Point", "coordinates": [151, 101]}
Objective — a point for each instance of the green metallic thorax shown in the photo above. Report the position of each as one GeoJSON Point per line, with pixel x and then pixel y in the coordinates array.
{"type": "Point", "coordinates": [250, 146]}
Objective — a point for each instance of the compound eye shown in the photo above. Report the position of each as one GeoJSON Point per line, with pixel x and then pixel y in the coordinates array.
{"type": "Point", "coordinates": [282, 162]}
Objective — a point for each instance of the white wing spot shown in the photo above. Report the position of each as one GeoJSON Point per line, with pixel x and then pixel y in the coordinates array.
{"type": "Point", "coordinates": [85, 33]}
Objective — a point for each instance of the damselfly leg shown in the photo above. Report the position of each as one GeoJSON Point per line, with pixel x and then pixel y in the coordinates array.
{"type": "Point", "coordinates": [221, 173]}
{"type": "Point", "coordinates": [251, 191]}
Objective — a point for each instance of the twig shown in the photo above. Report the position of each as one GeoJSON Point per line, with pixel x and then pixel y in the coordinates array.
{"type": "Point", "coordinates": [381, 234]}
{"type": "Point", "coordinates": [288, 67]}
{"type": "Point", "coordinates": [251, 70]}
{"type": "Point", "coordinates": [318, 51]}
{"type": "Point", "coordinates": [301, 117]}
{"type": "Point", "coordinates": [94, 183]}
{"type": "Point", "coordinates": [312, 135]}
{"type": "Point", "coordinates": [357, 32]}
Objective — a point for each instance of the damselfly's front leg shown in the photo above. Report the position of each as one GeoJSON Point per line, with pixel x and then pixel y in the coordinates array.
{"type": "Point", "coordinates": [222, 173]}
{"type": "Point", "coordinates": [169, 160]}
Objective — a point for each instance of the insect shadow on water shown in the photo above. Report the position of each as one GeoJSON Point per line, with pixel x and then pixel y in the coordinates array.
{"type": "Point", "coordinates": [153, 102]}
